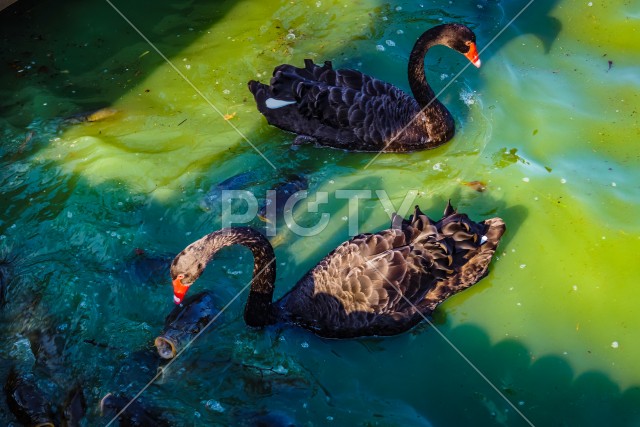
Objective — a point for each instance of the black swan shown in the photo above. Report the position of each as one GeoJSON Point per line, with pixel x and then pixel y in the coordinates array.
{"type": "Point", "coordinates": [373, 284]}
{"type": "Point", "coordinates": [352, 111]}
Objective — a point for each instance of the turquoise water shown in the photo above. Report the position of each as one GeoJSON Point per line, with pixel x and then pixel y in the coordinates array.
{"type": "Point", "coordinates": [547, 123]}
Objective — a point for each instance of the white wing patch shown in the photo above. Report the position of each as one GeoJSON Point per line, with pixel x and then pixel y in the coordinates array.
{"type": "Point", "coordinates": [273, 103]}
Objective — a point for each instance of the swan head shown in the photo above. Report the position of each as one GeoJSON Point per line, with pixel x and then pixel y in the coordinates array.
{"type": "Point", "coordinates": [186, 268]}
{"type": "Point", "coordinates": [461, 38]}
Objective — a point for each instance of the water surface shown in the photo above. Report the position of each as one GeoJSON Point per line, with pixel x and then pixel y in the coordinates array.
{"type": "Point", "coordinates": [549, 124]}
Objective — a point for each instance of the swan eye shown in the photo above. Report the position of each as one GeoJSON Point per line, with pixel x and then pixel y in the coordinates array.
{"type": "Point", "coordinates": [180, 276]}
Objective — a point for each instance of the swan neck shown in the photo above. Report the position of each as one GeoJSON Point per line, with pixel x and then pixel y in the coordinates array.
{"type": "Point", "coordinates": [422, 91]}
{"type": "Point", "coordinates": [258, 310]}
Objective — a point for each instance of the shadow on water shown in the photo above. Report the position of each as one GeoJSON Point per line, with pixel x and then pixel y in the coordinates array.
{"type": "Point", "coordinates": [74, 54]}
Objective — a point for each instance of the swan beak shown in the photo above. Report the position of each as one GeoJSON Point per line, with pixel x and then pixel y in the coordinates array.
{"type": "Point", "coordinates": [179, 290]}
{"type": "Point", "coordinates": [473, 56]}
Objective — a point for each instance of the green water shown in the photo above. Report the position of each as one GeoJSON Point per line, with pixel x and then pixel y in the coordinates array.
{"type": "Point", "coordinates": [547, 123]}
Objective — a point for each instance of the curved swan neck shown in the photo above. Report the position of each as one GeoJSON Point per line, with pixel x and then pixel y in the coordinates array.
{"type": "Point", "coordinates": [422, 92]}
{"type": "Point", "coordinates": [258, 310]}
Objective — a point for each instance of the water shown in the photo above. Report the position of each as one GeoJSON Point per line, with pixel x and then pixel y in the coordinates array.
{"type": "Point", "coordinates": [548, 124]}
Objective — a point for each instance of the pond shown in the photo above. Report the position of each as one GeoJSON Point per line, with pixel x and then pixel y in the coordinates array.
{"type": "Point", "coordinates": [94, 206]}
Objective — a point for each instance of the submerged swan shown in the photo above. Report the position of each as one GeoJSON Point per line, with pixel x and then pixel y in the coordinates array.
{"type": "Point", "coordinates": [373, 284]}
{"type": "Point", "coordinates": [349, 110]}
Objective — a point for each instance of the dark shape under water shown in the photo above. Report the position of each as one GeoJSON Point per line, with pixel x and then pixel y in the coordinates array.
{"type": "Point", "coordinates": [48, 347]}
{"type": "Point", "coordinates": [374, 284]}
{"type": "Point", "coordinates": [5, 278]}
{"type": "Point", "coordinates": [267, 419]}
{"type": "Point", "coordinates": [146, 268]}
{"type": "Point", "coordinates": [184, 322]}
{"type": "Point", "coordinates": [212, 201]}
{"type": "Point", "coordinates": [75, 407]}
{"type": "Point", "coordinates": [352, 111]}
{"type": "Point", "coordinates": [26, 401]}
{"type": "Point", "coordinates": [135, 415]}
{"type": "Point", "coordinates": [274, 205]}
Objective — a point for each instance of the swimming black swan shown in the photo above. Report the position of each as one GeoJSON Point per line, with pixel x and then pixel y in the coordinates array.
{"type": "Point", "coordinates": [373, 284]}
{"type": "Point", "coordinates": [352, 111]}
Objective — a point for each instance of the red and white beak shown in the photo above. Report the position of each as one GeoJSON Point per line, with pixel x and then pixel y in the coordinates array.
{"type": "Point", "coordinates": [179, 290]}
{"type": "Point", "coordinates": [473, 56]}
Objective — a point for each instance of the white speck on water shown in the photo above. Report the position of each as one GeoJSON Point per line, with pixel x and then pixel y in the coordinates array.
{"type": "Point", "coordinates": [384, 18]}
{"type": "Point", "coordinates": [519, 304]}
{"type": "Point", "coordinates": [438, 166]}
{"type": "Point", "coordinates": [291, 35]}
{"type": "Point", "coordinates": [523, 265]}
{"type": "Point", "coordinates": [479, 6]}
{"type": "Point", "coordinates": [536, 198]}
{"type": "Point", "coordinates": [615, 344]}
{"type": "Point", "coordinates": [399, 32]}
{"type": "Point", "coordinates": [226, 91]}
{"type": "Point", "coordinates": [511, 288]}
{"type": "Point", "coordinates": [390, 43]}
{"type": "Point", "coordinates": [187, 66]}
{"type": "Point", "coordinates": [563, 181]}
{"type": "Point", "coordinates": [380, 48]}
{"type": "Point", "coordinates": [398, 8]}
{"type": "Point", "coordinates": [525, 179]}
{"type": "Point", "coordinates": [521, 403]}
{"type": "Point", "coordinates": [575, 287]}
{"type": "Point", "coordinates": [345, 218]}
{"type": "Point", "coordinates": [613, 184]}
{"type": "Point", "coordinates": [590, 4]}
{"type": "Point", "coordinates": [443, 76]}
{"type": "Point", "coordinates": [331, 181]}
{"type": "Point", "coordinates": [304, 344]}
{"type": "Point", "coordinates": [196, 414]}
{"type": "Point", "coordinates": [44, 103]}
{"type": "Point", "coordinates": [69, 214]}
{"type": "Point", "coordinates": [318, 3]}
{"type": "Point", "coordinates": [329, 418]}
{"type": "Point", "coordinates": [188, 233]}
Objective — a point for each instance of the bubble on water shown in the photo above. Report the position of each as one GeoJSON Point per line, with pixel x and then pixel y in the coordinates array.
{"type": "Point", "coordinates": [214, 405]}
{"type": "Point", "coordinates": [304, 344]}
{"type": "Point", "coordinates": [563, 181]}
{"type": "Point", "coordinates": [390, 43]}
{"type": "Point", "coordinates": [345, 218]}
{"type": "Point", "coordinates": [318, 3]}
{"type": "Point", "coordinates": [187, 66]}
{"type": "Point", "coordinates": [615, 344]}
{"type": "Point", "coordinates": [399, 32]}
{"type": "Point", "coordinates": [613, 184]}
{"type": "Point", "coordinates": [525, 179]}
{"type": "Point", "coordinates": [380, 48]}
{"type": "Point", "coordinates": [590, 4]}
{"type": "Point", "coordinates": [398, 8]}
{"type": "Point", "coordinates": [291, 35]}
{"type": "Point", "coordinates": [226, 91]}
{"type": "Point", "coordinates": [468, 97]}
{"type": "Point", "coordinates": [69, 214]}
{"type": "Point", "coordinates": [438, 166]}
{"type": "Point", "coordinates": [523, 265]}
